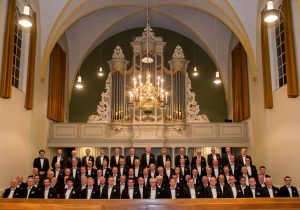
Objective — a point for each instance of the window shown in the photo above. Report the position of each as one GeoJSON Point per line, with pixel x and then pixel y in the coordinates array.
{"type": "Point", "coordinates": [280, 49]}
{"type": "Point", "coordinates": [17, 52]}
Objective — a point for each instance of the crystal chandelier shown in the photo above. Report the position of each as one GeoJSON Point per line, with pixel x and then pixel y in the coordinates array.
{"type": "Point", "coordinates": [148, 96]}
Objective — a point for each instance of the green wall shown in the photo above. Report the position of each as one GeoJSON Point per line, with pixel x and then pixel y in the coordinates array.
{"type": "Point", "coordinates": [210, 97]}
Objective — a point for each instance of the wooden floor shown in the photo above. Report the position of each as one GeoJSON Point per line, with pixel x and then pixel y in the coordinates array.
{"type": "Point", "coordinates": [182, 204]}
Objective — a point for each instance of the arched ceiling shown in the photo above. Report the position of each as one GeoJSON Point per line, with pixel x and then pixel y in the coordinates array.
{"type": "Point", "coordinates": [181, 16]}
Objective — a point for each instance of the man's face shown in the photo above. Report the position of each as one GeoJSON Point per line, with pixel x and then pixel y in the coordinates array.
{"type": "Point", "coordinates": [110, 181]}
{"type": "Point", "coordinates": [117, 151]}
{"type": "Point", "coordinates": [262, 171]}
{"type": "Point", "coordinates": [221, 178]}
{"type": "Point", "coordinates": [288, 181]}
{"type": "Point", "coordinates": [20, 179]}
{"type": "Point", "coordinates": [130, 183]}
{"type": "Point", "coordinates": [13, 183]}
{"type": "Point", "coordinates": [102, 180]}
{"type": "Point", "coordinates": [74, 164]}
{"type": "Point", "coordinates": [226, 170]}
{"type": "Point", "coordinates": [182, 151]}
{"type": "Point", "coordinates": [215, 162]}
{"type": "Point", "coordinates": [168, 164]}
{"type": "Point", "coordinates": [243, 181]}
{"type": "Point", "coordinates": [90, 183]}
{"type": "Point", "coordinates": [252, 182]}
{"type": "Point", "coordinates": [69, 184]}
{"type": "Point", "coordinates": [152, 183]}
{"type": "Point", "coordinates": [182, 161]}
{"type": "Point", "coordinates": [213, 181]}
{"type": "Point", "coordinates": [74, 153]}
{"type": "Point", "coordinates": [30, 182]}
{"type": "Point", "coordinates": [50, 175]}
{"type": "Point", "coordinates": [90, 164]}
{"type": "Point", "coordinates": [195, 172]}
{"type": "Point", "coordinates": [59, 152]}
{"type": "Point", "coordinates": [152, 167]}
{"type": "Point", "coordinates": [247, 161]}
{"type": "Point", "coordinates": [104, 163]}
{"type": "Point", "coordinates": [208, 170]}
{"type": "Point", "coordinates": [228, 150]}
{"type": "Point", "coordinates": [42, 154]}
{"type": "Point", "coordinates": [122, 179]}
{"type": "Point", "coordinates": [46, 183]}
{"type": "Point", "coordinates": [163, 151]}
{"type": "Point", "coordinates": [148, 149]}
{"type": "Point", "coordinates": [99, 173]}
{"type": "Point", "coordinates": [67, 172]}
{"type": "Point", "coordinates": [213, 150]}
{"type": "Point", "coordinates": [131, 172]}
{"type": "Point", "coordinates": [231, 180]}
{"type": "Point", "coordinates": [115, 170]}
{"type": "Point", "coordinates": [191, 183]}
{"type": "Point", "coordinates": [260, 178]}
{"type": "Point", "coordinates": [36, 179]}
{"type": "Point", "coordinates": [83, 180]}
{"type": "Point", "coordinates": [102, 152]}
{"type": "Point", "coordinates": [145, 171]}
{"type": "Point", "coordinates": [160, 170]}
{"type": "Point", "coordinates": [198, 161]}
{"type": "Point", "coordinates": [199, 153]}
{"type": "Point", "coordinates": [57, 165]}
{"type": "Point", "coordinates": [232, 159]}
{"type": "Point", "coordinates": [87, 152]}
{"type": "Point", "coordinates": [82, 170]}
{"type": "Point", "coordinates": [136, 162]}
{"type": "Point", "coordinates": [122, 162]}
{"type": "Point", "coordinates": [35, 171]}
{"type": "Point", "coordinates": [244, 151]}
{"type": "Point", "coordinates": [244, 170]}
{"type": "Point", "coordinates": [172, 183]}
{"type": "Point", "coordinates": [132, 151]}
{"type": "Point", "coordinates": [268, 182]}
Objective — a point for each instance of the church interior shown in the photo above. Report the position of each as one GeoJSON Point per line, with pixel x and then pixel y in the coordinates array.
{"type": "Point", "coordinates": [184, 77]}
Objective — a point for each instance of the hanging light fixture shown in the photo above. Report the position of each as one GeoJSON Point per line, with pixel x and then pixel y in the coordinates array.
{"type": "Point", "coordinates": [271, 14]}
{"type": "Point", "coordinates": [195, 70]}
{"type": "Point", "coordinates": [25, 19]}
{"type": "Point", "coordinates": [100, 72]}
{"type": "Point", "coordinates": [217, 80]}
{"type": "Point", "coordinates": [147, 59]}
{"type": "Point", "coordinates": [79, 84]}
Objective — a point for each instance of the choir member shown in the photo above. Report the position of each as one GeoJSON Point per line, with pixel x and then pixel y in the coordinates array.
{"type": "Point", "coordinates": [41, 163]}
{"type": "Point", "coordinates": [101, 158]}
{"type": "Point", "coordinates": [288, 190]}
{"type": "Point", "coordinates": [73, 158]}
{"type": "Point", "coordinates": [147, 158]}
{"type": "Point", "coordinates": [115, 159]}
{"type": "Point", "coordinates": [213, 156]}
{"type": "Point", "coordinates": [180, 156]}
{"type": "Point", "coordinates": [58, 159]}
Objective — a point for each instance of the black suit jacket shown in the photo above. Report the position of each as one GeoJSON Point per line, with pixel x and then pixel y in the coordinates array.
{"type": "Point", "coordinates": [213, 171]}
{"type": "Point", "coordinates": [115, 193]}
{"type": "Point", "coordinates": [93, 173]}
{"type": "Point", "coordinates": [187, 193]}
{"type": "Point", "coordinates": [186, 171]}
{"type": "Point", "coordinates": [254, 172]}
{"type": "Point", "coordinates": [60, 177]}
{"type": "Point", "coordinates": [33, 193]}
{"type": "Point", "coordinates": [240, 161]}
{"type": "Point", "coordinates": [95, 193]}
{"type": "Point", "coordinates": [159, 193]}
{"type": "Point", "coordinates": [178, 192]}
{"type": "Point", "coordinates": [248, 192]}
{"type": "Point", "coordinates": [125, 170]}
{"type": "Point", "coordinates": [177, 160]}
{"type": "Point", "coordinates": [202, 172]}
{"type": "Point", "coordinates": [225, 160]}
{"type": "Point", "coordinates": [210, 159]}
{"type": "Point", "coordinates": [98, 161]}
{"type": "Point", "coordinates": [203, 162]}
{"type": "Point", "coordinates": [107, 173]}
{"type": "Point", "coordinates": [69, 162]}
{"type": "Point", "coordinates": [284, 192]}
{"type": "Point", "coordinates": [37, 164]}
{"type": "Point", "coordinates": [128, 160]}
{"type": "Point", "coordinates": [265, 192]}
{"type": "Point", "coordinates": [229, 194]}
{"type": "Point", "coordinates": [136, 193]}
{"type": "Point", "coordinates": [145, 192]}
{"type": "Point", "coordinates": [62, 162]}
{"type": "Point", "coordinates": [17, 193]}
{"type": "Point", "coordinates": [84, 163]}
{"type": "Point", "coordinates": [51, 194]}
{"type": "Point", "coordinates": [75, 194]}
{"type": "Point", "coordinates": [208, 192]}
{"type": "Point", "coordinates": [160, 160]}
{"type": "Point", "coordinates": [237, 170]}
{"type": "Point", "coordinates": [113, 162]}
{"type": "Point", "coordinates": [144, 160]}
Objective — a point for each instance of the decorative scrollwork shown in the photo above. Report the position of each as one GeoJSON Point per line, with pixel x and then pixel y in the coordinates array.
{"type": "Point", "coordinates": [103, 108]}
{"type": "Point", "coordinates": [192, 107]}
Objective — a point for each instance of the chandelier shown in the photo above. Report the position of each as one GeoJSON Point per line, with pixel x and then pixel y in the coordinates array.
{"type": "Point", "coordinates": [148, 96]}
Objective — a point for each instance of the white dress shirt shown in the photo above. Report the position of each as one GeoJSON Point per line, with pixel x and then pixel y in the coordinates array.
{"type": "Point", "coordinates": [168, 172]}
{"type": "Point", "coordinates": [28, 191]}
{"type": "Point", "coordinates": [68, 192]}
{"type": "Point", "coordinates": [244, 159]}
{"type": "Point", "coordinates": [153, 193]}
{"type": "Point", "coordinates": [89, 192]}
{"type": "Point", "coordinates": [42, 162]}
{"type": "Point", "coordinates": [46, 192]}
{"type": "Point", "coordinates": [109, 192]}
{"type": "Point", "coordinates": [131, 159]}
{"type": "Point", "coordinates": [234, 191]}
{"type": "Point", "coordinates": [270, 189]}
{"type": "Point", "coordinates": [122, 187]}
{"type": "Point", "coordinates": [214, 192]}
{"type": "Point", "coordinates": [136, 171]}
{"type": "Point", "coordinates": [290, 190]}
{"type": "Point", "coordinates": [130, 192]}
{"type": "Point", "coordinates": [253, 192]}
{"type": "Point", "coordinates": [74, 170]}
{"type": "Point", "coordinates": [87, 158]}
{"type": "Point", "coordinates": [199, 170]}
{"type": "Point", "coordinates": [232, 167]}
{"type": "Point", "coordinates": [164, 160]}
{"type": "Point", "coordinates": [249, 170]}
{"type": "Point", "coordinates": [216, 170]}
{"type": "Point", "coordinates": [11, 193]}
{"type": "Point", "coordinates": [141, 187]}
{"type": "Point", "coordinates": [193, 192]}
{"type": "Point", "coordinates": [214, 156]}
{"type": "Point", "coordinates": [121, 170]}
{"type": "Point", "coordinates": [173, 192]}
{"type": "Point", "coordinates": [117, 159]}
{"type": "Point", "coordinates": [148, 158]}
{"type": "Point", "coordinates": [58, 159]}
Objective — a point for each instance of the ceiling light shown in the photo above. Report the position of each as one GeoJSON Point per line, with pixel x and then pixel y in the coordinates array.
{"type": "Point", "coordinates": [217, 79]}
{"type": "Point", "coordinates": [271, 14]}
{"type": "Point", "coordinates": [25, 19]}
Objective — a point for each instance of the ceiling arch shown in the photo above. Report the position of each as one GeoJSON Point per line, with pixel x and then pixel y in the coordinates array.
{"type": "Point", "coordinates": [73, 11]}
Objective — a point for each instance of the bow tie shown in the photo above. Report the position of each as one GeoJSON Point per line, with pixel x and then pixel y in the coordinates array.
{"type": "Point", "coordinates": [191, 188]}
{"type": "Point", "coordinates": [130, 188]}
{"type": "Point", "coordinates": [173, 188]}
{"type": "Point", "coordinates": [12, 189]}
{"type": "Point", "coordinates": [90, 188]}
{"type": "Point", "coordinates": [153, 188]}
{"type": "Point", "coordinates": [69, 188]}
{"type": "Point", "coordinates": [42, 158]}
{"type": "Point", "coordinates": [110, 186]}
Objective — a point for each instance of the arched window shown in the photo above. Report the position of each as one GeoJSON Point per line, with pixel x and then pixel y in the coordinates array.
{"type": "Point", "coordinates": [280, 49]}
{"type": "Point", "coordinates": [17, 52]}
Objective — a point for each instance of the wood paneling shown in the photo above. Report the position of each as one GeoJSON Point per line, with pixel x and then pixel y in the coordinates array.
{"type": "Point", "coordinates": [188, 204]}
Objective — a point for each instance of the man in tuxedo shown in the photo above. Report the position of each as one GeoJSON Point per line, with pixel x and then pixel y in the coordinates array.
{"type": "Point", "coordinates": [241, 159]}
{"type": "Point", "coordinates": [75, 173]}
{"type": "Point", "coordinates": [111, 191]}
{"type": "Point", "coordinates": [58, 159]}
{"type": "Point", "coordinates": [192, 191]}
{"type": "Point", "coordinates": [252, 191]}
{"type": "Point", "coordinates": [232, 190]}
{"type": "Point", "coordinates": [195, 176]}
{"type": "Point", "coordinates": [226, 173]}
{"type": "Point", "coordinates": [47, 191]}
{"type": "Point", "coordinates": [152, 170]}
{"type": "Point", "coordinates": [12, 191]}
{"type": "Point", "coordinates": [161, 172]}
{"type": "Point", "coordinates": [244, 173]}
{"type": "Point", "coordinates": [106, 171]}
{"type": "Point", "coordinates": [243, 183]}
{"type": "Point", "coordinates": [37, 182]}
{"type": "Point", "coordinates": [185, 170]}
{"type": "Point", "coordinates": [70, 192]}
{"type": "Point", "coordinates": [169, 171]}
{"type": "Point", "coordinates": [261, 183]}
{"type": "Point", "coordinates": [173, 191]}
{"type": "Point", "coordinates": [115, 159]}
{"type": "Point", "coordinates": [41, 163]}
{"type": "Point", "coordinates": [226, 156]}
{"type": "Point", "coordinates": [138, 170]}
{"type": "Point", "coordinates": [160, 183]}
{"type": "Point", "coordinates": [72, 158]}
{"type": "Point", "coordinates": [131, 157]}
{"type": "Point", "coordinates": [212, 190]}
{"type": "Point", "coordinates": [198, 156]}
{"type": "Point", "coordinates": [235, 169]}
{"type": "Point", "coordinates": [97, 178]}
{"type": "Point", "coordinates": [200, 168]}
{"type": "Point", "coordinates": [131, 192]}
{"type": "Point", "coordinates": [142, 188]}
{"type": "Point", "coordinates": [221, 183]}
{"type": "Point", "coordinates": [58, 173]}
{"type": "Point", "coordinates": [216, 169]}
{"type": "Point", "coordinates": [213, 156]}
{"type": "Point", "coordinates": [87, 157]}
{"type": "Point", "coordinates": [90, 192]}
{"type": "Point", "coordinates": [115, 174]}
{"type": "Point", "coordinates": [123, 183]}
{"type": "Point", "coordinates": [146, 177]}
{"type": "Point", "coordinates": [91, 172]}
{"type": "Point", "coordinates": [269, 190]}
{"type": "Point", "coordinates": [83, 183]}
{"type": "Point", "coordinates": [252, 172]}
{"type": "Point", "coordinates": [288, 190]}
{"type": "Point", "coordinates": [262, 171]}
{"type": "Point", "coordinates": [153, 191]}
{"type": "Point", "coordinates": [147, 158]}
{"type": "Point", "coordinates": [163, 158]}
{"type": "Point", "coordinates": [122, 168]}
{"type": "Point", "coordinates": [102, 183]}
{"type": "Point", "coordinates": [209, 173]}
{"type": "Point", "coordinates": [20, 183]}
{"type": "Point", "coordinates": [57, 189]}
{"type": "Point", "coordinates": [30, 191]}
{"type": "Point", "coordinates": [180, 156]}
{"type": "Point", "coordinates": [101, 158]}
